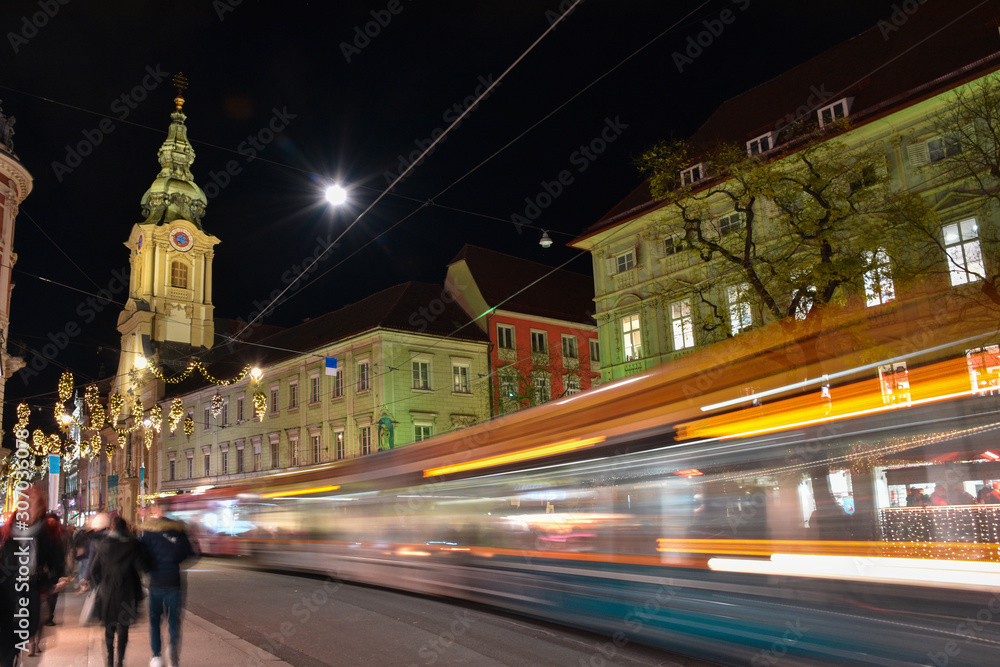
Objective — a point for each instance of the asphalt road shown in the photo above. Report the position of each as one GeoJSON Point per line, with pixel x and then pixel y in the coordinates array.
{"type": "Point", "coordinates": [310, 621]}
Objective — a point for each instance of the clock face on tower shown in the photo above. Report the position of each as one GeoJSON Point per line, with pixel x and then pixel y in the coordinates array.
{"type": "Point", "coordinates": [181, 239]}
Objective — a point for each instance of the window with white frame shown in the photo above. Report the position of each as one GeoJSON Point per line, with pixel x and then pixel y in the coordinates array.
{"type": "Point", "coordinates": [595, 351]}
{"type": "Point", "coordinates": [275, 458]}
{"type": "Point", "coordinates": [693, 174]}
{"type": "Point", "coordinates": [365, 439]}
{"type": "Point", "coordinates": [190, 465]}
{"type": "Point", "coordinates": [965, 255]}
{"type": "Point", "coordinates": [337, 386]}
{"type": "Point", "coordinates": [224, 417]}
{"type": "Point", "coordinates": [224, 463]}
{"type": "Point", "coordinates": [934, 149]}
{"type": "Point", "coordinates": [206, 459]}
{"type": "Point", "coordinates": [569, 347]}
{"type": "Point", "coordinates": [625, 261]}
{"type": "Point", "coordinates": [673, 244]}
{"type": "Point", "coordinates": [239, 409]}
{"type": "Point", "coordinates": [314, 388]}
{"type": "Point", "coordinates": [631, 337]}
{"type": "Point", "coordinates": [729, 223]}
{"type": "Point", "coordinates": [317, 451]}
{"type": "Point", "coordinates": [294, 455]}
{"type": "Point", "coordinates": [539, 342]}
{"type": "Point", "coordinates": [505, 337]}
{"type": "Point", "coordinates": [275, 397]}
{"type": "Point", "coordinates": [421, 374]}
{"type": "Point", "coordinates": [542, 385]}
{"type": "Point", "coordinates": [170, 473]}
{"type": "Point", "coordinates": [293, 395]}
{"type": "Point", "coordinates": [421, 432]}
{"type": "Point", "coordinates": [740, 312]}
{"type": "Point", "coordinates": [460, 378]}
{"type": "Point", "coordinates": [364, 376]}
{"type": "Point", "coordinates": [761, 144]}
{"type": "Point", "coordinates": [681, 324]}
{"type": "Point", "coordinates": [879, 288]}
{"type": "Point", "coordinates": [207, 423]}
{"type": "Point", "coordinates": [571, 385]}
{"type": "Point", "coordinates": [257, 462]}
{"type": "Point", "coordinates": [834, 112]}
{"type": "Point", "coordinates": [240, 461]}
{"type": "Point", "coordinates": [338, 439]}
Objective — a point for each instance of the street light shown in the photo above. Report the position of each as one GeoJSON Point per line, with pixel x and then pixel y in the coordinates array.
{"type": "Point", "coordinates": [336, 195]}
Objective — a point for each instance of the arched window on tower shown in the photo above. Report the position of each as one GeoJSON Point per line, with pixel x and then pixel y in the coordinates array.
{"type": "Point", "coordinates": [179, 274]}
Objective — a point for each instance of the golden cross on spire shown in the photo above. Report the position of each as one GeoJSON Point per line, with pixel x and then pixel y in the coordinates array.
{"type": "Point", "coordinates": [181, 83]}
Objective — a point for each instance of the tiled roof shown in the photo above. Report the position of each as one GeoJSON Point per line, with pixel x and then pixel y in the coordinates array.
{"type": "Point", "coordinates": [509, 283]}
{"type": "Point", "coordinates": [406, 307]}
{"type": "Point", "coordinates": [890, 66]}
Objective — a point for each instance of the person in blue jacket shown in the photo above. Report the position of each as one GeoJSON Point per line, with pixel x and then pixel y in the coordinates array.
{"type": "Point", "coordinates": [165, 547]}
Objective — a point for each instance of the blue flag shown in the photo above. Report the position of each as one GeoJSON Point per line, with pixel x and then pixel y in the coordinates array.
{"type": "Point", "coordinates": [331, 365]}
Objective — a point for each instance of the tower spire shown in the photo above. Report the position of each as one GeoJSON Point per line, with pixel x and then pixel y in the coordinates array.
{"type": "Point", "coordinates": [174, 195]}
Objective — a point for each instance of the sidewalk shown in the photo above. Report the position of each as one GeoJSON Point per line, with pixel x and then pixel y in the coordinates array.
{"type": "Point", "coordinates": [70, 645]}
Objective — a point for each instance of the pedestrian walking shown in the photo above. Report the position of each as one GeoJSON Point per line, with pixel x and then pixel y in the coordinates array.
{"type": "Point", "coordinates": [115, 573]}
{"type": "Point", "coordinates": [165, 547]}
{"type": "Point", "coordinates": [86, 545]}
{"type": "Point", "coordinates": [24, 545]}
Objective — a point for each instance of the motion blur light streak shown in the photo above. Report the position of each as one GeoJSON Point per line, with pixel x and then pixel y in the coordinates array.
{"type": "Point", "coordinates": [527, 454]}
{"type": "Point", "coordinates": [961, 574]}
{"type": "Point", "coordinates": [300, 492]}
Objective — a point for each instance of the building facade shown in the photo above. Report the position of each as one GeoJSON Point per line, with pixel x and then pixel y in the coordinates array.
{"type": "Point", "coordinates": [675, 271]}
{"type": "Point", "coordinates": [398, 381]}
{"type": "Point", "coordinates": [15, 185]}
{"type": "Point", "coordinates": [543, 338]}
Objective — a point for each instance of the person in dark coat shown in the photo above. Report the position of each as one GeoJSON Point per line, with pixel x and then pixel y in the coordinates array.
{"type": "Point", "coordinates": [115, 571]}
{"type": "Point", "coordinates": [165, 546]}
{"type": "Point", "coordinates": [24, 546]}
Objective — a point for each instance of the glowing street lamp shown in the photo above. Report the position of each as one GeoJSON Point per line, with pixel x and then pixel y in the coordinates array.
{"type": "Point", "coordinates": [336, 195]}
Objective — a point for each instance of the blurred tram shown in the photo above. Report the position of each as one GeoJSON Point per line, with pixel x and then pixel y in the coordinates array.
{"type": "Point", "coordinates": [734, 515]}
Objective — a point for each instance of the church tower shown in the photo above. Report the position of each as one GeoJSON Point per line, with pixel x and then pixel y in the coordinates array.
{"type": "Point", "coordinates": [169, 312]}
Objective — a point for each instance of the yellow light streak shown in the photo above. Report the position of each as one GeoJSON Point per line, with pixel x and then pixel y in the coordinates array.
{"type": "Point", "coordinates": [300, 492]}
{"type": "Point", "coordinates": [523, 455]}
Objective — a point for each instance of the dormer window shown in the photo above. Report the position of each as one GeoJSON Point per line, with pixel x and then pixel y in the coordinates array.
{"type": "Point", "coordinates": [831, 113]}
{"type": "Point", "coordinates": [761, 144]}
{"type": "Point", "coordinates": [693, 174]}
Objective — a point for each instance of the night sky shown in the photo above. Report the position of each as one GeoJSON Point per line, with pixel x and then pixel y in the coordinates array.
{"type": "Point", "coordinates": [353, 88]}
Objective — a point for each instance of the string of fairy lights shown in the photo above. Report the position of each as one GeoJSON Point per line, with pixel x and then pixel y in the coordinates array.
{"type": "Point", "coordinates": [113, 414]}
